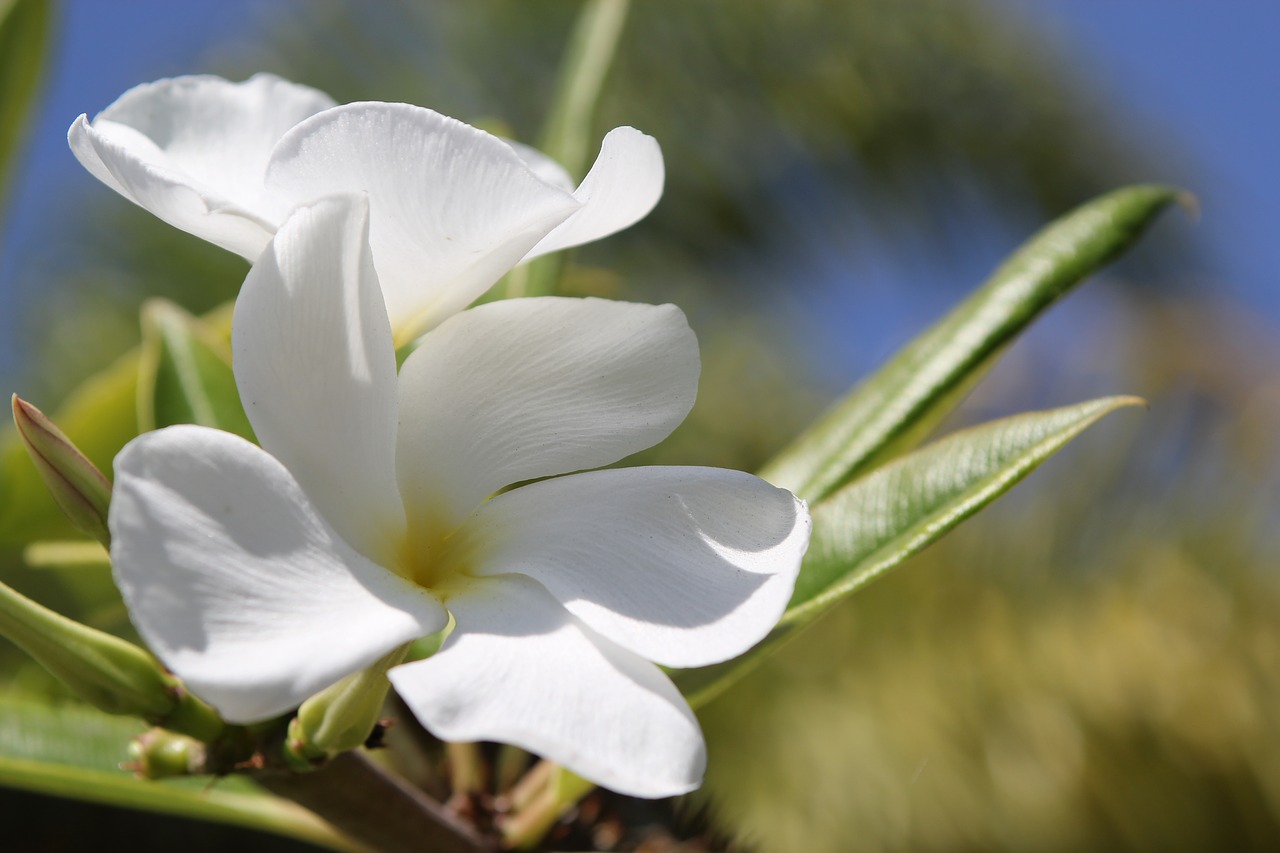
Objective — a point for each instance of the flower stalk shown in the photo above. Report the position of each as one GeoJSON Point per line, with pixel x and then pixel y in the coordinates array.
{"type": "Point", "coordinates": [550, 792]}
{"type": "Point", "coordinates": [566, 135]}
{"type": "Point", "coordinates": [466, 768]}
{"type": "Point", "coordinates": [341, 717]}
{"type": "Point", "coordinates": [111, 674]}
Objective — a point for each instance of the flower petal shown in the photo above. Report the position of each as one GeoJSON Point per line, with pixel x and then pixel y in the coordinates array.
{"type": "Point", "coordinates": [238, 584]}
{"type": "Point", "coordinates": [194, 150]}
{"type": "Point", "coordinates": [622, 187]}
{"type": "Point", "coordinates": [317, 372]}
{"type": "Point", "coordinates": [453, 208]}
{"type": "Point", "coordinates": [685, 566]}
{"type": "Point", "coordinates": [519, 669]}
{"type": "Point", "coordinates": [526, 388]}
{"type": "Point", "coordinates": [543, 166]}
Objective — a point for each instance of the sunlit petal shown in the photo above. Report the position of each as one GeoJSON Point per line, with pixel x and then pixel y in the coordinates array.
{"type": "Point", "coordinates": [543, 166]}
{"type": "Point", "coordinates": [527, 388]}
{"type": "Point", "coordinates": [453, 208]}
{"type": "Point", "coordinates": [521, 670]}
{"type": "Point", "coordinates": [622, 187]}
{"type": "Point", "coordinates": [685, 566]}
{"type": "Point", "coordinates": [194, 151]}
{"type": "Point", "coordinates": [116, 155]}
{"type": "Point", "coordinates": [317, 374]}
{"type": "Point", "coordinates": [238, 584]}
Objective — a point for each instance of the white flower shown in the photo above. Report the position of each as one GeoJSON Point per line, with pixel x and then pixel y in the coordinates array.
{"type": "Point", "coordinates": [262, 575]}
{"type": "Point", "coordinates": [452, 208]}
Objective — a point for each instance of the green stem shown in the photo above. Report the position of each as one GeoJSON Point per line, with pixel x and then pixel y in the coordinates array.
{"type": "Point", "coordinates": [508, 767]}
{"type": "Point", "coordinates": [341, 717]}
{"type": "Point", "coordinates": [567, 134]}
{"type": "Point", "coordinates": [555, 791]}
{"type": "Point", "coordinates": [113, 675]}
{"type": "Point", "coordinates": [466, 768]}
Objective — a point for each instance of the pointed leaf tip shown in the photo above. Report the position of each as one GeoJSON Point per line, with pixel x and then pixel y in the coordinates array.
{"type": "Point", "coordinates": [875, 523]}
{"type": "Point", "coordinates": [898, 406]}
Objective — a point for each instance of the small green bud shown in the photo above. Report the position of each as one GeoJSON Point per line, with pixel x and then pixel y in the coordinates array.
{"type": "Point", "coordinates": [161, 754]}
{"type": "Point", "coordinates": [340, 717]}
{"type": "Point", "coordinates": [113, 675]}
{"type": "Point", "coordinates": [78, 487]}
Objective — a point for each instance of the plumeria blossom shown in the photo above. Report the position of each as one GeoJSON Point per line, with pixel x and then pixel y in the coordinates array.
{"type": "Point", "coordinates": [452, 208]}
{"type": "Point", "coordinates": [375, 509]}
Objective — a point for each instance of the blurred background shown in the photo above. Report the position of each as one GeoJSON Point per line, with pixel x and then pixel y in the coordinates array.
{"type": "Point", "coordinates": [1092, 663]}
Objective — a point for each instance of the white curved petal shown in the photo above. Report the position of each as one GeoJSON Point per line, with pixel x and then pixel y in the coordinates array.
{"type": "Point", "coordinates": [317, 373]}
{"type": "Point", "coordinates": [519, 669]}
{"type": "Point", "coordinates": [238, 584]}
{"type": "Point", "coordinates": [543, 166]}
{"type": "Point", "coordinates": [194, 151]}
{"type": "Point", "coordinates": [453, 208]}
{"type": "Point", "coordinates": [119, 157]}
{"type": "Point", "coordinates": [685, 566]}
{"type": "Point", "coordinates": [622, 187]}
{"type": "Point", "coordinates": [219, 133]}
{"type": "Point", "coordinates": [526, 388]}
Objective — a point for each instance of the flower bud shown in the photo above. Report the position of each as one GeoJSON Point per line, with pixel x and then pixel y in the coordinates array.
{"type": "Point", "coordinates": [161, 754]}
{"type": "Point", "coordinates": [113, 675]}
{"type": "Point", "coordinates": [78, 487]}
{"type": "Point", "coordinates": [340, 717]}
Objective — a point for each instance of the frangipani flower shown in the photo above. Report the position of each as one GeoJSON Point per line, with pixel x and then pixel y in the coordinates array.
{"type": "Point", "coordinates": [452, 208]}
{"type": "Point", "coordinates": [375, 509]}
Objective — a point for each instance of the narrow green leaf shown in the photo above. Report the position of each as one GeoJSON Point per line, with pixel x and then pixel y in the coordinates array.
{"type": "Point", "coordinates": [874, 524]}
{"type": "Point", "coordinates": [185, 373]}
{"type": "Point", "coordinates": [878, 521]}
{"type": "Point", "coordinates": [73, 554]}
{"type": "Point", "coordinates": [567, 135]}
{"type": "Point", "coordinates": [895, 407]}
{"type": "Point", "coordinates": [25, 28]}
{"type": "Point", "coordinates": [73, 751]}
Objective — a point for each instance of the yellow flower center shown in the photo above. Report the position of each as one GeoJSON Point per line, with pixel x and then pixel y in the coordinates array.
{"type": "Point", "coordinates": [428, 558]}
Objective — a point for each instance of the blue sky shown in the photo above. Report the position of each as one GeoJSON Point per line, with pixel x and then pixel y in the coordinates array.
{"type": "Point", "coordinates": [102, 48]}
{"type": "Point", "coordinates": [1204, 74]}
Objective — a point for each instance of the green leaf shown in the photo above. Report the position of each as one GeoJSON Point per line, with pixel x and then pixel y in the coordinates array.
{"type": "Point", "coordinates": [899, 405]}
{"type": "Point", "coordinates": [567, 135]}
{"type": "Point", "coordinates": [74, 555]}
{"type": "Point", "coordinates": [25, 27]}
{"type": "Point", "coordinates": [72, 751]}
{"type": "Point", "coordinates": [100, 416]}
{"type": "Point", "coordinates": [185, 374]}
{"type": "Point", "coordinates": [877, 522]}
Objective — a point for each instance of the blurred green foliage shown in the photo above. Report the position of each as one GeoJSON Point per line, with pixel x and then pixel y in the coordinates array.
{"type": "Point", "coordinates": [25, 27]}
{"type": "Point", "coordinates": [1090, 664]}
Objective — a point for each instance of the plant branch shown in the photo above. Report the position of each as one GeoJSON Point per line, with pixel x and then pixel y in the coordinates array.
{"type": "Point", "coordinates": [375, 808]}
